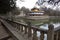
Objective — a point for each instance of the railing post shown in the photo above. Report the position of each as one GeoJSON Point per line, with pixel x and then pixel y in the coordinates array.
{"type": "Point", "coordinates": [29, 29]}
{"type": "Point", "coordinates": [25, 30]}
{"type": "Point", "coordinates": [18, 27]}
{"type": "Point", "coordinates": [57, 36]}
{"type": "Point", "coordinates": [0, 22]}
{"type": "Point", "coordinates": [42, 36]}
{"type": "Point", "coordinates": [50, 34]}
{"type": "Point", "coordinates": [21, 28]}
{"type": "Point", "coordinates": [14, 25]}
{"type": "Point", "coordinates": [35, 35]}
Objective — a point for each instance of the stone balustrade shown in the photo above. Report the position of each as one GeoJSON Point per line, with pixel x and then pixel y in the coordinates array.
{"type": "Point", "coordinates": [31, 32]}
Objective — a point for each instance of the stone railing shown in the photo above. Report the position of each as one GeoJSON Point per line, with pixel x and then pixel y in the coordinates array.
{"type": "Point", "coordinates": [32, 31]}
{"type": "Point", "coordinates": [52, 34]}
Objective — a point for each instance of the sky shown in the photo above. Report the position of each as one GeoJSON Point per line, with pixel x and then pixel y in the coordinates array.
{"type": "Point", "coordinates": [27, 3]}
{"type": "Point", "coordinates": [31, 3]}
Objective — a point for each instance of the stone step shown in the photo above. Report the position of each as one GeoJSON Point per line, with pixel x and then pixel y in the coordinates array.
{"type": "Point", "coordinates": [3, 33]}
{"type": "Point", "coordinates": [12, 31]}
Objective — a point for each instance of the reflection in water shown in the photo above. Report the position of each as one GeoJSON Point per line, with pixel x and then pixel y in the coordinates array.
{"type": "Point", "coordinates": [45, 35]}
{"type": "Point", "coordinates": [45, 26]}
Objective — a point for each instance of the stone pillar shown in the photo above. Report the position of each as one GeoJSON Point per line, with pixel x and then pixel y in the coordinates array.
{"type": "Point", "coordinates": [42, 36]}
{"type": "Point", "coordinates": [35, 35]}
{"type": "Point", "coordinates": [21, 28]}
{"type": "Point", "coordinates": [18, 27]}
{"type": "Point", "coordinates": [50, 34]}
{"type": "Point", "coordinates": [29, 29]}
{"type": "Point", "coordinates": [57, 36]}
{"type": "Point", "coordinates": [25, 30]}
{"type": "Point", "coordinates": [0, 22]}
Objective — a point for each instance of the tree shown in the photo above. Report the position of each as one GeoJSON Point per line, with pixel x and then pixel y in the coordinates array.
{"type": "Point", "coordinates": [16, 11]}
{"type": "Point", "coordinates": [6, 5]}
{"type": "Point", "coordinates": [51, 12]}
{"type": "Point", "coordinates": [13, 13]}
{"type": "Point", "coordinates": [25, 10]}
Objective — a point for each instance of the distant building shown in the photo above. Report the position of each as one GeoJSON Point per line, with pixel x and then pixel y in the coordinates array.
{"type": "Point", "coordinates": [36, 12]}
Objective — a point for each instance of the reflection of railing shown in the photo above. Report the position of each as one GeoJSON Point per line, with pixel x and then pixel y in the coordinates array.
{"type": "Point", "coordinates": [52, 34]}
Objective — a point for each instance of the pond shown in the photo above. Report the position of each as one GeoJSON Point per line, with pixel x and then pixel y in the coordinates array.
{"type": "Point", "coordinates": [45, 26]}
{"type": "Point", "coordinates": [55, 21]}
{"type": "Point", "coordinates": [42, 23]}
